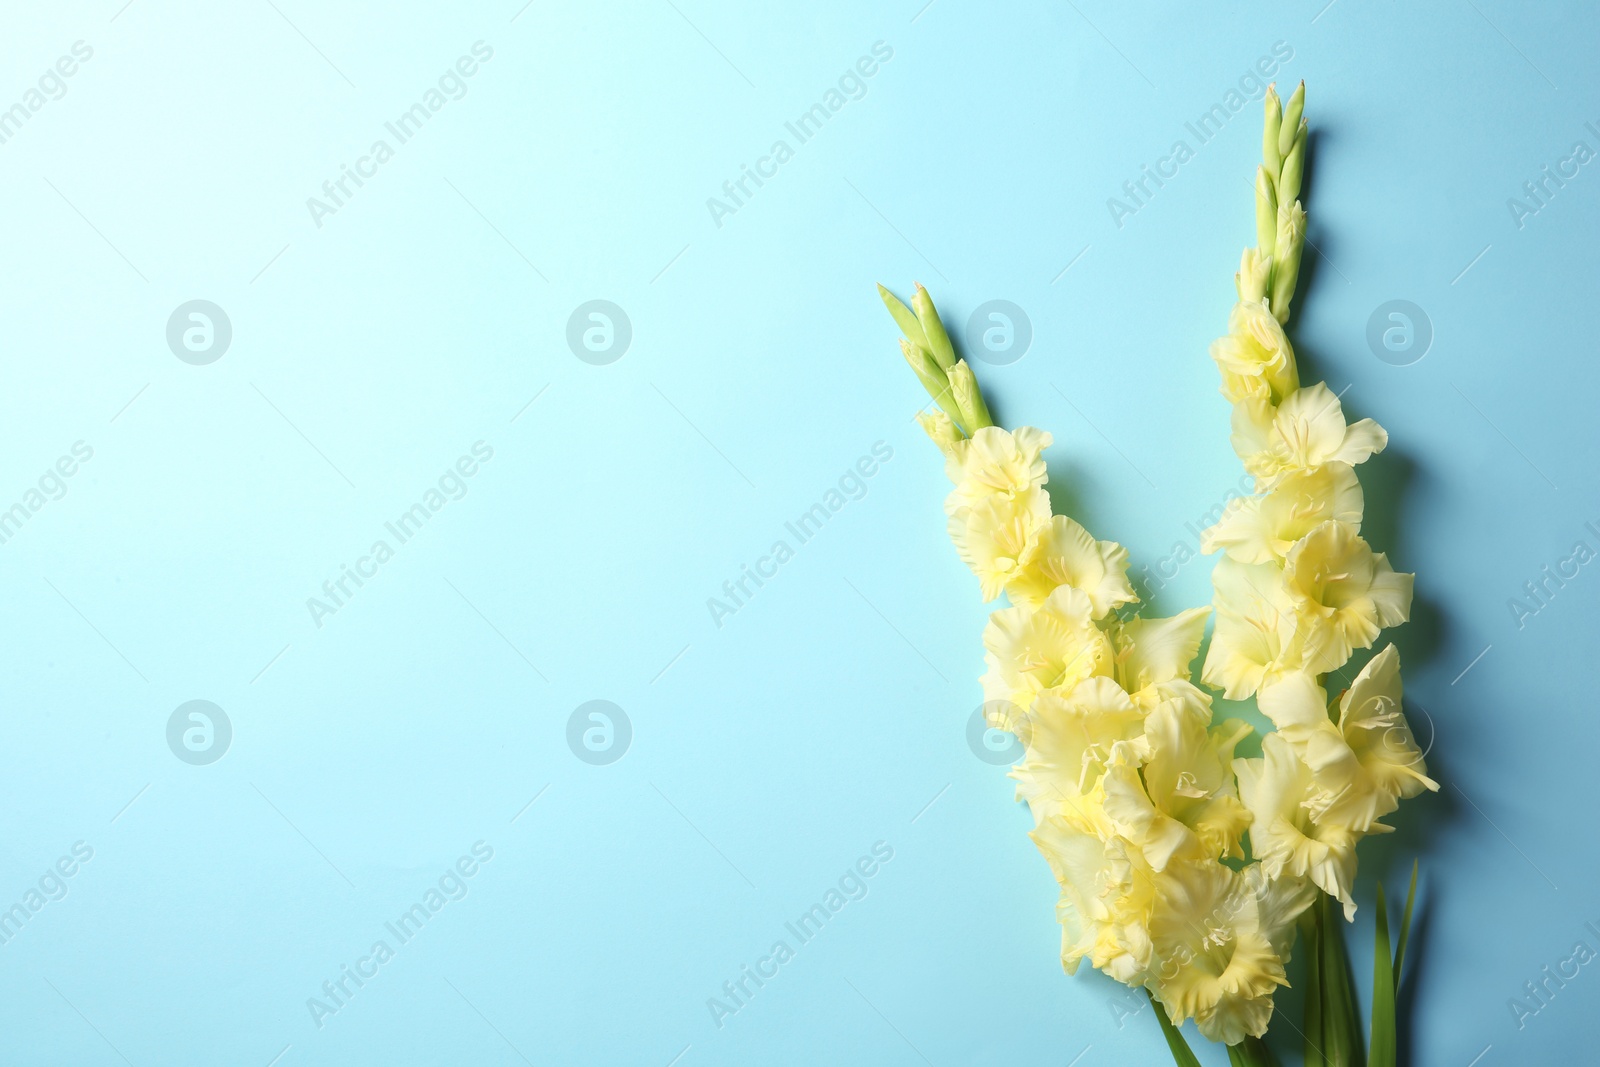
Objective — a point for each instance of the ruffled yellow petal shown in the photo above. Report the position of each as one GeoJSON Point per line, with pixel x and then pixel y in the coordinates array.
{"type": "Point", "coordinates": [1152, 651]}
{"type": "Point", "coordinates": [1256, 359]}
{"type": "Point", "coordinates": [995, 462]}
{"type": "Point", "coordinates": [1262, 529]}
{"type": "Point", "coordinates": [1071, 736]}
{"type": "Point", "coordinates": [1333, 576]}
{"type": "Point", "coordinates": [993, 536]}
{"type": "Point", "coordinates": [1211, 959]}
{"type": "Point", "coordinates": [1064, 553]}
{"type": "Point", "coordinates": [1304, 432]}
{"type": "Point", "coordinates": [1259, 634]}
{"type": "Point", "coordinates": [1056, 645]}
{"type": "Point", "coordinates": [1283, 835]}
{"type": "Point", "coordinates": [1375, 728]}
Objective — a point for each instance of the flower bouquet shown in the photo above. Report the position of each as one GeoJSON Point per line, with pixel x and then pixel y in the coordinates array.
{"type": "Point", "coordinates": [1186, 867]}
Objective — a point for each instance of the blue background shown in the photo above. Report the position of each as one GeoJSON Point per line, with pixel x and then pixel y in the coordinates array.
{"type": "Point", "coordinates": [829, 713]}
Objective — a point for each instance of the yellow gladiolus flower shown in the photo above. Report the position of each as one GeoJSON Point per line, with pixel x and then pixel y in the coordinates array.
{"type": "Point", "coordinates": [1306, 431]}
{"type": "Point", "coordinates": [1259, 635]}
{"type": "Point", "coordinates": [1107, 892]}
{"type": "Point", "coordinates": [1283, 835]}
{"type": "Point", "coordinates": [1064, 553]}
{"type": "Point", "coordinates": [1255, 358]}
{"type": "Point", "coordinates": [1261, 529]}
{"type": "Point", "coordinates": [1333, 577]}
{"type": "Point", "coordinates": [1056, 645]}
{"type": "Point", "coordinates": [1180, 803]}
{"type": "Point", "coordinates": [1071, 737]}
{"type": "Point", "coordinates": [996, 463]}
{"type": "Point", "coordinates": [995, 535]}
{"type": "Point", "coordinates": [1153, 657]}
{"type": "Point", "coordinates": [1213, 954]}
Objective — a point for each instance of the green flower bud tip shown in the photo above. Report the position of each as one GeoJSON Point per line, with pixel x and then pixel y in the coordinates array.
{"type": "Point", "coordinates": [933, 379]}
{"type": "Point", "coordinates": [1291, 119]}
{"type": "Point", "coordinates": [1294, 165]}
{"type": "Point", "coordinates": [1270, 158]}
{"type": "Point", "coordinates": [1266, 212]}
{"type": "Point", "coordinates": [933, 329]}
{"type": "Point", "coordinates": [1291, 243]}
{"type": "Point", "coordinates": [965, 387]}
{"type": "Point", "coordinates": [903, 317]}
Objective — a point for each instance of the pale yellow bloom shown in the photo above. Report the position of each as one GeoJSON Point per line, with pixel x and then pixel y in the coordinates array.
{"type": "Point", "coordinates": [1212, 956]}
{"type": "Point", "coordinates": [1261, 529]}
{"type": "Point", "coordinates": [1306, 431]}
{"type": "Point", "coordinates": [994, 535]}
{"type": "Point", "coordinates": [997, 463]}
{"type": "Point", "coordinates": [1255, 358]}
{"type": "Point", "coordinates": [1259, 635]}
{"type": "Point", "coordinates": [1181, 801]}
{"type": "Point", "coordinates": [1056, 645]}
{"type": "Point", "coordinates": [1107, 892]}
{"type": "Point", "coordinates": [1376, 729]}
{"type": "Point", "coordinates": [1071, 737]}
{"type": "Point", "coordinates": [1151, 653]}
{"type": "Point", "coordinates": [1341, 793]}
{"type": "Point", "coordinates": [1064, 553]}
{"type": "Point", "coordinates": [1283, 834]}
{"type": "Point", "coordinates": [1365, 763]}
{"type": "Point", "coordinates": [1333, 577]}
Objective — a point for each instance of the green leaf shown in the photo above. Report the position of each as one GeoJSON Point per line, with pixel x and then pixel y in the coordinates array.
{"type": "Point", "coordinates": [1381, 1044]}
{"type": "Point", "coordinates": [1405, 925]}
{"type": "Point", "coordinates": [1182, 1055]}
{"type": "Point", "coordinates": [1341, 1028]}
{"type": "Point", "coordinates": [1312, 1033]}
{"type": "Point", "coordinates": [1251, 1052]}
